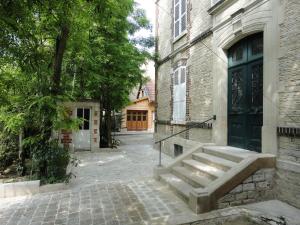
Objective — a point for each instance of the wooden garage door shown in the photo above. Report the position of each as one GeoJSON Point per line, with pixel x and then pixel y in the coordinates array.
{"type": "Point", "coordinates": [137, 120]}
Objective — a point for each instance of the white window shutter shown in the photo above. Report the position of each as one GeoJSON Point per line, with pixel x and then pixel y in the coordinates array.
{"type": "Point", "coordinates": [183, 93]}
{"type": "Point", "coordinates": [179, 95]}
{"type": "Point", "coordinates": [180, 17]}
{"type": "Point", "coordinates": [183, 18]}
{"type": "Point", "coordinates": [175, 94]}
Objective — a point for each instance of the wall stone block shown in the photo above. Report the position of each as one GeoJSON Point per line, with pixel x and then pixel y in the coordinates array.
{"type": "Point", "coordinates": [253, 189]}
{"type": "Point", "coordinates": [248, 187]}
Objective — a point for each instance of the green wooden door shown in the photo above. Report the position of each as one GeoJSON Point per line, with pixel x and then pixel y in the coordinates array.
{"type": "Point", "coordinates": [245, 93]}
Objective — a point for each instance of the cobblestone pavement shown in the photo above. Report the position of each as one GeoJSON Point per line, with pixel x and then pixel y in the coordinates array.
{"type": "Point", "coordinates": [135, 159]}
{"type": "Point", "coordinates": [119, 191]}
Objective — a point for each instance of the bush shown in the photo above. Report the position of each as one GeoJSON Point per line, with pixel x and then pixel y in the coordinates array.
{"type": "Point", "coordinates": [8, 150]}
{"type": "Point", "coordinates": [57, 164]}
{"type": "Point", "coordinates": [50, 162]}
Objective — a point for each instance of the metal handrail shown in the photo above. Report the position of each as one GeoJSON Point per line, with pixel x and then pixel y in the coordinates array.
{"type": "Point", "coordinates": [190, 127]}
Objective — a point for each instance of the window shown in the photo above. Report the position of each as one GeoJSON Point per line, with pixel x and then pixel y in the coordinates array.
{"type": "Point", "coordinates": [133, 117]}
{"type": "Point", "coordinates": [180, 17]}
{"type": "Point", "coordinates": [248, 49]}
{"type": "Point", "coordinates": [84, 114]}
{"type": "Point", "coordinates": [179, 95]}
{"type": "Point", "coordinates": [144, 116]}
{"type": "Point", "coordinates": [178, 150]}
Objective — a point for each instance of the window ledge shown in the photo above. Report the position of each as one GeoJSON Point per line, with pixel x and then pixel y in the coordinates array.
{"type": "Point", "coordinates": [184, 33]}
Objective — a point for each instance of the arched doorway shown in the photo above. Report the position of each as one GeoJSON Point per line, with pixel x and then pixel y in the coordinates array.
{"type": "Point", "coordinates": [245, 93]}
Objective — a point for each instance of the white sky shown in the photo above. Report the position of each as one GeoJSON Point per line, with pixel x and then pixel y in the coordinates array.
{"type": "Point", "coordinates": [149, 7]}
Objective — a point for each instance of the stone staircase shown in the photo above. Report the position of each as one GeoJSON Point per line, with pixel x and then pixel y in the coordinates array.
{"type": "Point", "coordinates": [206, 173]}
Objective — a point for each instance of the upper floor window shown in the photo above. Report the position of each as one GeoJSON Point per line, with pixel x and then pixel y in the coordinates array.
{"type": "Point", "coordinates": [179, 95]}
{"type": "Point", "coordinates": [180, 17]}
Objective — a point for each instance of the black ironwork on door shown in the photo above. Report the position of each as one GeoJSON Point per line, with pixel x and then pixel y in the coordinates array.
{"type": "Point", "coordinates": [245, 93]}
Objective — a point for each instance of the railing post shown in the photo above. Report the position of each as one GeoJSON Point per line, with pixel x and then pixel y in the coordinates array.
{"type": "Point", "coordinates": [159, 162]}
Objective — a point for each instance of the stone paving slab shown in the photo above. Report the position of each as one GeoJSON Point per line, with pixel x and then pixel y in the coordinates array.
{"type": "Point", "coordinates": [110, 188]}
{"type": "Point", "coordinates": [135, 160]}
{"type": "Point", "coordinates": [117, 203]}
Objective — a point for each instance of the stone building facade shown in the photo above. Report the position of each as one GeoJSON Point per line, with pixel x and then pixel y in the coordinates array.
{"type": "Point", "coordinates": [205, 37]}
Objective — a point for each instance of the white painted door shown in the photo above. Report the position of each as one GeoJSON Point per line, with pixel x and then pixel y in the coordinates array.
{"type": "Point", "coordinates": [83, 135]}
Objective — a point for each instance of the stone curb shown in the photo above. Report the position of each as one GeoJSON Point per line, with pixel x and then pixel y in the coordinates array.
{"type": "Point", "coordinates": [10, 190]}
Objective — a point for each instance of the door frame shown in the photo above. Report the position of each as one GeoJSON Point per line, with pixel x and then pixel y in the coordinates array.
{"type": "Point", "coordinates": [244, 64]}
{"type": "Point", "coordinates": [223, 37]}
{"type": "Point", "coordinates": [90, 126]}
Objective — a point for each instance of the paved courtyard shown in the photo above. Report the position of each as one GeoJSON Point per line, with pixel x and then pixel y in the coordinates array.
{"type": "Point", "coordinates": [109, 188]}
{"type": "Point", "coordinates": [134, 159]}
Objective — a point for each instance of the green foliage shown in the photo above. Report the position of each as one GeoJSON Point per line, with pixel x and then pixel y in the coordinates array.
{"type": "Point", "coordinates": [112, 66]}
{"type": "Point", "coordinates": [8, 150]}
{"type": "Point", "coordinates": [50, 154]}
{"type": "Point", "coordinates": [100, 60]}
{"type": "Point", "coordinates": [30, 31]}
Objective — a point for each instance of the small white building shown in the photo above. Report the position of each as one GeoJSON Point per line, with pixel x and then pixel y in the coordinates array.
{"type": "Point", "coordinates": [88, 135]}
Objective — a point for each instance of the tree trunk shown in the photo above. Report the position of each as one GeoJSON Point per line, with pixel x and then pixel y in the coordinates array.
{"type": "Point", "coordinates": [21, 155]}
{"type": "Point", "coordinates": [100, 122]}
{"type": "Point", "coordinates": [105, 105]}
{"type": "Point", "coordinates": [139, 90]}
{"type": "Point", "coordinates": [60, 47]}
{"type": "Point", "coordinates": [108, 127]}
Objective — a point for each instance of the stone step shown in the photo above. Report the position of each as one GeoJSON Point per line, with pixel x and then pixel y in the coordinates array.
{"type": "Point", "coordinates": [197, 180]}
{"type": "Point", "coordinates": [208, 173]}
{"type": "Point", "coordinates": [215, 161]}
{"type": "Point", "coordinates": [207, 170]}
{"type": "Point", "coordinates": [226, 152]}
{"type": "Point", "coordinates": [181, 188]}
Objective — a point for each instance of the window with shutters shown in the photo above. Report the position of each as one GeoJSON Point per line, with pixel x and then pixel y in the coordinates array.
{"type": "Point", "coordinates": [180, 17]}
{"type": "Point", "coordinates": [179, 95]}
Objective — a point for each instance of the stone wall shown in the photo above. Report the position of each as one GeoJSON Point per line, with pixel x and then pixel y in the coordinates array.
{"type": "Point", "coordinates": [258, 187]}
{"type": "Point", "coordinates": [164, 92]}
{"type": "Point", "coordinates": [288, 182]}
{"type": "Point", "coordinates": [289, 149]}
{"type": "Point", "coordinates": [289, 69]}
{"type": "Point", "coordinates": [288, 173]}
{"type": "Point", "coordinates": [289, 78]}
{"type": "Point", "coordinates": [164, 27]}
{"type": "Point", "coordinates": [168, 145]}
{"type": "Point", "coordinates": [199, 71]}
{"type": "Point", "coordinates": [200, 19]}
{"type": "Point", "coordinates": [201, 88]}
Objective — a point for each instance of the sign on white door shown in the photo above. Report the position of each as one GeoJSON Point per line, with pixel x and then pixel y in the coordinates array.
{"type": "Point", "coordinates": [83, 135]}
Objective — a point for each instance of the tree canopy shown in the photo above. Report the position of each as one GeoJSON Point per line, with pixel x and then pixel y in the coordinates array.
{"type": "Point", "coordinates": [53, 51]}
